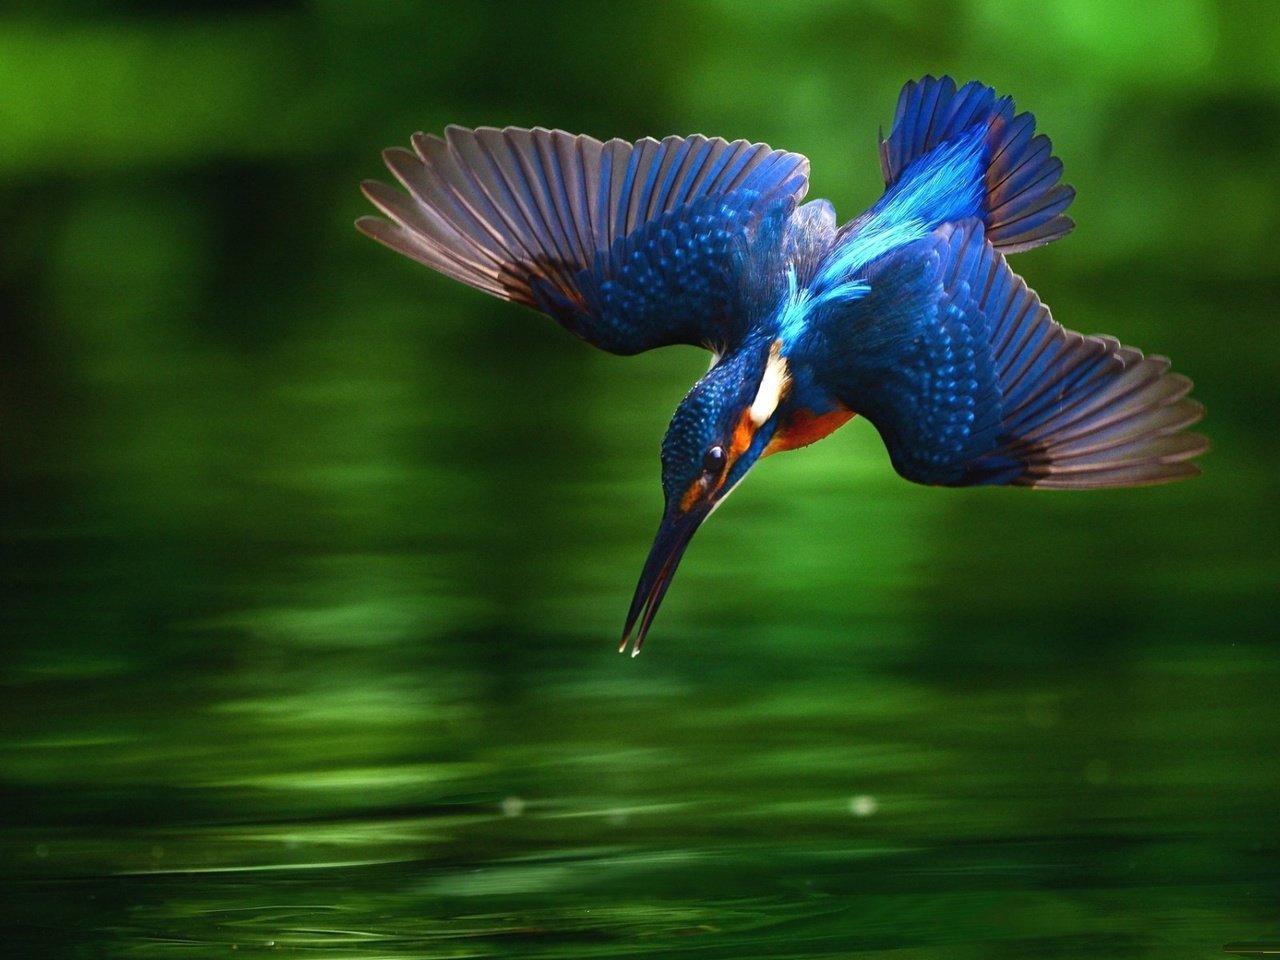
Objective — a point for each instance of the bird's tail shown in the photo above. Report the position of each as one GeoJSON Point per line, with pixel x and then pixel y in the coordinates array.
{"type": "Point", "coordinates": [1023, 202]}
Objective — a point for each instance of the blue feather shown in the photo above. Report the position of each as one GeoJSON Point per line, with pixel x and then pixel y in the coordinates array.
{"type": "Point", "coordinates": [1021, 200]}
{"type": "Point", "coordinates": [970, 381]}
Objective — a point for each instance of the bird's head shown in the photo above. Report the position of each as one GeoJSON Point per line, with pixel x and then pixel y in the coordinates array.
{"type": "Point", "coordinates": [719, 431]}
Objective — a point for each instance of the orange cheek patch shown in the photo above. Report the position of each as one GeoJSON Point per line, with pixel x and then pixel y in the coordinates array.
{"type": "Point", "coordinates": [804, 428]}
{"type": "Point", "coordinates": [691, 496]}
{"type": "Point", "coordinates": [742, 434]}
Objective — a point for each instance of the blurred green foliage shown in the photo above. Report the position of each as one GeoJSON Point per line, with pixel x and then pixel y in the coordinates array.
{"type": "Point", "coordinates": [314, 559]}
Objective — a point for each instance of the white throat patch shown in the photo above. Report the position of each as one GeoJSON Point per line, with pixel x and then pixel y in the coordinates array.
{"type": "Point", "coordinates": [773, 384]}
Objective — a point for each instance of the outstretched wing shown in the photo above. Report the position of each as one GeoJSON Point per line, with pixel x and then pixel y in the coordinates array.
{"type": "Point", "coordinates": [970, 381]}
{"type": "Point", "coordinates": [628, 245]}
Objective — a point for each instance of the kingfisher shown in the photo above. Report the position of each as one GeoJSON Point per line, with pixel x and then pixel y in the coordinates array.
{"type": "Point", "coordinates": [908, 314]}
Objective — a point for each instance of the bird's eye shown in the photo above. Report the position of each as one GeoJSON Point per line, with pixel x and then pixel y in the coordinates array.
{"type": "Point", "coordinates": [713, 460]}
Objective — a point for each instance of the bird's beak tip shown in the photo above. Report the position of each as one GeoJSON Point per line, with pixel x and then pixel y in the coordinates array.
{"type": "Point", "coordinates": [631, 637]}
{"type": "Point", "coordinates": [668, 547]}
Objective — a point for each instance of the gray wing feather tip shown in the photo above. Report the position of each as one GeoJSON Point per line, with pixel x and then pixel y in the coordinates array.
{"type": "Point", "coordinates": [369, 225]}
{"type": "Point", "coordinates": [1166, 473]}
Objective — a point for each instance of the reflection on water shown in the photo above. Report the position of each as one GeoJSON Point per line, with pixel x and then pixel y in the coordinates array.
{"type": "Point", "coordinates": [337, 778]}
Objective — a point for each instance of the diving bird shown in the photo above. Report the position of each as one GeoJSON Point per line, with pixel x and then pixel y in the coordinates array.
{"type": "Point", "coordinates": [908, 314]}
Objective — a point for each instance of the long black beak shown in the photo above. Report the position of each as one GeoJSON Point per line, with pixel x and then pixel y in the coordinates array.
{"type": "Point", "coordinates": [673, 537]}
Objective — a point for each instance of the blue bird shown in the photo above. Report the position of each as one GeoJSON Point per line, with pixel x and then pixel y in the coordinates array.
{"type": "Point", "coordinates": [908, 314]}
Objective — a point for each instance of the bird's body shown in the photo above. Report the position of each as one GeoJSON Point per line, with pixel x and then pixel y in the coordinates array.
{"type": "Point", "coordinates": [908, 314]}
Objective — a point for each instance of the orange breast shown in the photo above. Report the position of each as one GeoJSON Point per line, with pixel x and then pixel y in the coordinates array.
{"type": "Point", "coordinates": [804, 428]}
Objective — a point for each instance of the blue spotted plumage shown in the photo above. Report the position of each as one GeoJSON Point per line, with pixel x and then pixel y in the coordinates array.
{"type": "Point", "coordinates": [621, 302]}
{"type": "Point", "coordinates": [908, 315]}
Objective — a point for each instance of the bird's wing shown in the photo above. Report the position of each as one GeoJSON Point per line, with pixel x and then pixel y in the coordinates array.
{"type": "Point", "coordinates": [629, 245]}
{"type": "Point", "coordinates": [970, 381]}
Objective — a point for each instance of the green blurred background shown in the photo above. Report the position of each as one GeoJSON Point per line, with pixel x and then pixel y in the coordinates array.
{"type": "Point", "coordinates": [314, 562]}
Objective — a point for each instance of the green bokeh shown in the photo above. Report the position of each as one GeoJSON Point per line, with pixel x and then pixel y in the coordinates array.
{"type": "Point", "coordinates": [314, 562]}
